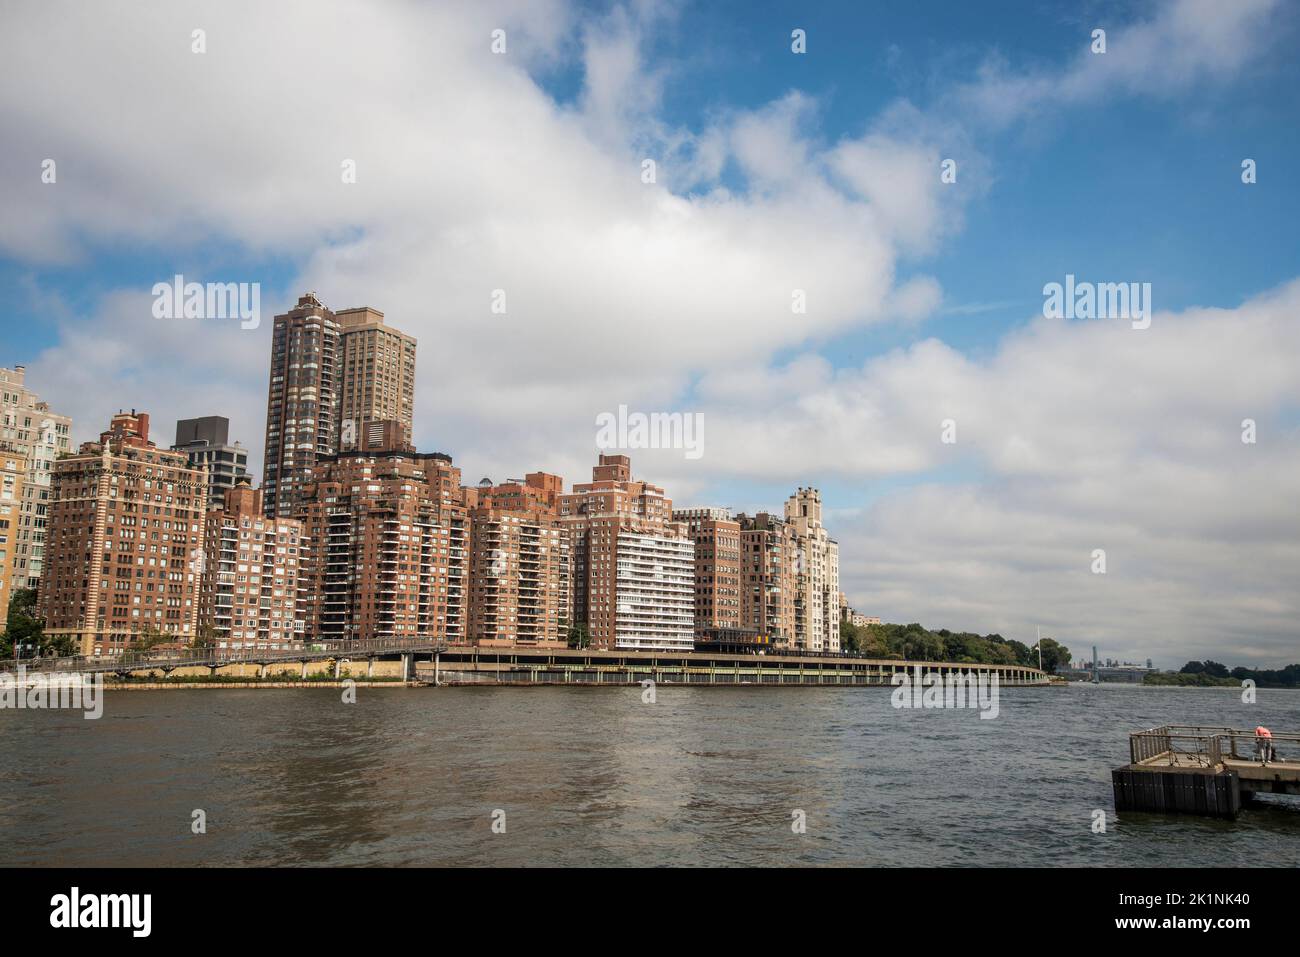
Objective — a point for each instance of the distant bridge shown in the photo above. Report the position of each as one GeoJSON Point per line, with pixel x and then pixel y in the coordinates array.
{"type": "Point", "coordinates": [134, 661]}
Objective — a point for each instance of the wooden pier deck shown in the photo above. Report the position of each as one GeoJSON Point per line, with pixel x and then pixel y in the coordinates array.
{"type": "Point", "coordinates": [1199, 770]}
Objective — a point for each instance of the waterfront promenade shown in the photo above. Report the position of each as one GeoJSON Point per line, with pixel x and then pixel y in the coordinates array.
{"type": "Point", "coordinates": [435, 662]}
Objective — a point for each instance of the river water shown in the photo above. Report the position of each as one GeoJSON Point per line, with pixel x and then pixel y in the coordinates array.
{"type": "Point", "coordinates": [588, 776]}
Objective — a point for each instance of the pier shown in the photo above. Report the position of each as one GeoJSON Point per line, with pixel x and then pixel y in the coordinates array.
{"type": "Point", "coordinates": [1207, 771]}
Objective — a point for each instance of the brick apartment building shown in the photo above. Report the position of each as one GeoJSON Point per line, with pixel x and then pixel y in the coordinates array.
{"type": "Point", "coordinates": [126, 525]}
{"type": "Point", "coordinates": [767, 548]}
{"type": "Point", "coordinates": [717, 567]}
{"type": "Point", "coordinates": [387, 546]}
{"type": "Point", "coordinates": [252, 576]}
{"type": "Point", "coordinates": [633, 567]}
{"type": "Point", "coordinates": [520, 564]}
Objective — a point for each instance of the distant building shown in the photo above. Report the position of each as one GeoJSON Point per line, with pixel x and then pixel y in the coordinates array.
{"type": "Point", "coordinates": [633, 567]}
{"type": "Point", "coordinates": [125, 544]}
{"type": "Point", "coordinates": [387, 546]}
{"type": "Point", "coordinates": [302, 402]}
{"type": "Point", "coordinates": [30, 427]}
{"type": "Point", "coordinates": [252, 576]}
{"type": "Point", "coordinates": [376, 377]}
{"type": "Point", "coordinates": [863, 620]}
{"type": "Point", "coordinates": [717, 567]}
{"type": "Point", "coordinates": [768, 577]}
{"type": "Point", "coordinates": [333, 375]}
{"type": "Point", "coordinates": [520, 575]}
{"type": "Point", "coordinates": [817, 574]}
{"type": "Point", "coordinates": [206, 441]}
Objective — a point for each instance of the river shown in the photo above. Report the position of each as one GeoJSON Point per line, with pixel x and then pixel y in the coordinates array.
{"type": "Point", "coordinates": [587, 776]}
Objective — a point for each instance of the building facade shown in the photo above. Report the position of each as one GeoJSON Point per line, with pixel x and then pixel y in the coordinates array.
{"type": "Point", "coordinates": [334, 376]}
{"type": "Point", "coordinates": [376, 376]}
{"type": "Point", "coordinates": [387, 547]}
{"type": "Point", "coordinates": [301, 403]}
{"type": "Point", "coordinates": [206, 442]}
{"type": "Point", "coordinates": [28, 426]}
{"type": "Point", "coordinates": [768, 548]}
{"type": "Point", "coordinates": [125, 544]}
{"type": "Point", "coordinates": [520, 575]}
{"type": "Point", "coordinates": [251, 576]}
{"type": "Point", "coordinates": [717, 567]}
{"type": "Point", "coordinates": [519, 579]}
{"type": "Point", "coordinates": [13, 476]}
{"type": "Point", "coordinates": [817, 574]}
{"type": "Point", "coordinates": [633, 567]}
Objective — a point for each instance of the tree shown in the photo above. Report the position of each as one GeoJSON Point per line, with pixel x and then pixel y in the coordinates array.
{"type": "Point", "coordinates": [206, 637]}
{"type": "Point", "coordinates": [147, 637]}
{"type": "Point", "coordinates": [850, 637]}
{"type": "Point", "coordinates": [1214, 669]}
{"type": "Point", "coordinates": [25, 628]}
{"type": "Point", "coordinates": [1055, 655]}
{"type": "Point", "coordinates": [579, 635]}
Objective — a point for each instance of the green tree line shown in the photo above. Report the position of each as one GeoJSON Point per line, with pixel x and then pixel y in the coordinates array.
{"type": "Point", "coordinates": [1209, 674]}
{"type": "Point", "coordinates": [916, 643]}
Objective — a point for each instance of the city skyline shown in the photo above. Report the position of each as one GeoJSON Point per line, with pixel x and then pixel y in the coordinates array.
{"type": "Point", "coordinates": [923, 300]}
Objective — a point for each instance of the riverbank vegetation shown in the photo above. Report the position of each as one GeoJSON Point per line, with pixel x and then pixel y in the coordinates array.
{"type": "Point", "coordinates": [916, 643]}
{"type": "Point", "coordinates": [1213, 674]}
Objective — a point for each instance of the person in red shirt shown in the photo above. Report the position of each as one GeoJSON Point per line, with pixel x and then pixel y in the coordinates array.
{"type": "Point", "coordinates": [1264, 744]}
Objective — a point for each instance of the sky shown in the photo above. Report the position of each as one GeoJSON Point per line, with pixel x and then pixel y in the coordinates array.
{"type": "Point", "coordinates": [776, 171]}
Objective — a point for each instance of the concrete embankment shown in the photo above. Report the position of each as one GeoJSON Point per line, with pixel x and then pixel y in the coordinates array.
{"type": "Point", "coordinates": [174, 685]}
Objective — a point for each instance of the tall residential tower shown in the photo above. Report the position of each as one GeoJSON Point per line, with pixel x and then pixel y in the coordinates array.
{"type": "Point", "coordinates": [335, 378]}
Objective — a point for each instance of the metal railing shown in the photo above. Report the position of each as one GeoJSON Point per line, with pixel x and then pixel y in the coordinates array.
{"type": "Point", "coordinates": [211, 657]}
{"type": "Point", "coordinates": [1206, 746]}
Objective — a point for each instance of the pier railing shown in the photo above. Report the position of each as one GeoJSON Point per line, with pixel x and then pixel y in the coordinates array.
{"type": "Point", "coordinates": [1192, 745]}
{"type": "Point", "coordinates": [212, 657]}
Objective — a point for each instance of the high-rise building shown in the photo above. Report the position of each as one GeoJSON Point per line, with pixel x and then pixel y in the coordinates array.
{"type": "Point", "coordinates": [387, 546]}
{"type": "Point", "coordinates": [376, 380]}
{"type": "Point", "coordinates": [520, 566]}
{"type": "Point", "coordinates": [333, 377]}
{"type": "Point", "coordinates": [302, 402]}
{"type": "Point", "coordinates": [251, 585]}
{"type": "Point", "coordinates": [28, 426]}
{"type": "Point", "coordinates": [817, 570]}
{"type": "Point", "coordinates": [125, 545]}
{"type": "Point", "coordinates": [13, 475]}
{"type": "Point", "coordinates": [633, 568]}
{"type": "Point", "coordinates": [206, 441]}
{"type": "Point", "coordinates": [717, 567]}
{"type": "Point", "coordinates": [768, 548]}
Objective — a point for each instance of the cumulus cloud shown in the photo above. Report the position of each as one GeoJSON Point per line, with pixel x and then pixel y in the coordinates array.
{"type": "Point", "coordinates": [1071, 436]}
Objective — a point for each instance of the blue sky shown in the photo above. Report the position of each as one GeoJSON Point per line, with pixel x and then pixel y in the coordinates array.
{"type": "Point", "coordinates": [777, 170]}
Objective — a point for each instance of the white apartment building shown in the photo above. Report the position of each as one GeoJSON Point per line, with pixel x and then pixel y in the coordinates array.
{"type": "Point", "coordinates": [817, 574]}
{"type": "Point", "coordinates": [29, 427]}
{"type": "Point", "coordinates": [655, 588]}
